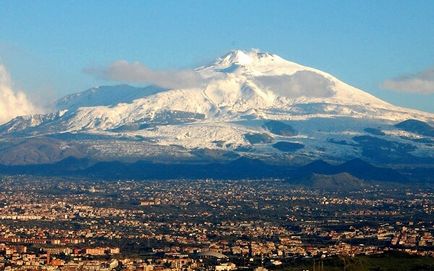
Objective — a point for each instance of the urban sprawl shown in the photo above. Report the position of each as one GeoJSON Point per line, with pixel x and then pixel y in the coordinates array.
{"type": "Point", "coordinates": [51, 223]}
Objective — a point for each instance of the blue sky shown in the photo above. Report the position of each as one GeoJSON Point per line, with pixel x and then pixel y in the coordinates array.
{"type": "Point", "coordinates": [45, 45]}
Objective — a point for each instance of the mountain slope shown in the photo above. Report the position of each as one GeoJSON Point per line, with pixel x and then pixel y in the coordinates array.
{"type": "Point", "coordinates": [250, 104]}
{"type": "Point", "coordinates": [104, 96]}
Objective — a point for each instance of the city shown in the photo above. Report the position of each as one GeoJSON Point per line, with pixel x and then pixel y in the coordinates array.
{"type": "Point", "coordinates": [53, 223]}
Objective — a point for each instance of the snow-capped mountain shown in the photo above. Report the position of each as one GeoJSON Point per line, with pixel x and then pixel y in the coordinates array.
{"type": "Point", "coordinates": [248, 103]}
{"type": "Point", "coordinates": [104, 95]}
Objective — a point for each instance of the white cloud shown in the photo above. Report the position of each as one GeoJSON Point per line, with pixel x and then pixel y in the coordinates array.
{"type": "Point", "coordinates": [12, 103]}
{"type": "Point", "coordinates": [422, 82]}
{"type": "Point", "coordinates": [301, 83]}
{"type": "Point", "coordinates": [136, 72]}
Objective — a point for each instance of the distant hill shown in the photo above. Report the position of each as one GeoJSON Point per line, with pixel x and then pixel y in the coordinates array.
{"type": "Point", "coordinates": [352, 172]}
{"type": "Point", "coordinates": [341, 182]}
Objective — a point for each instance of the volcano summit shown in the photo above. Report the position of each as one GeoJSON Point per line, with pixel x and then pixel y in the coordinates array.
{"type": "Point", "coordinates": [246, 104]}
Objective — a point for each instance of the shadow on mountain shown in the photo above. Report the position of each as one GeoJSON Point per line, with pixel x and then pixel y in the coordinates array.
{"type": "Point", "coordinates": [417, 127]}
{"type": "Point", "coordinates": [386, 151]}
{"type": "Point", "coordinates": [241, 168]}
{"type": "Point", "coordinates": [279, 128]}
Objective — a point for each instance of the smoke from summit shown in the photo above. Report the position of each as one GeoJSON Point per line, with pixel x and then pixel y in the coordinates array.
{"type": "Point", "coordinates": [12, 103]}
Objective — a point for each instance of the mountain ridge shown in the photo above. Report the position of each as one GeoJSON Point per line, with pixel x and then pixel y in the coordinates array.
{"type": "Point", "coordinates": [249, 104]}
{"type": "Point", "coordinates": [240, 168]}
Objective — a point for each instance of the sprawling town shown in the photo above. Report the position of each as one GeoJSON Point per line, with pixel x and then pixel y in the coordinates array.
{"type": "Point", "coordinates": [53, 223]}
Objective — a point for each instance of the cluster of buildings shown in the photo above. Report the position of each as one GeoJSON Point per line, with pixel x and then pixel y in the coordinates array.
{"type": "Point", "coordinates": [206, 224]}
{"type": "Point", "coordinates": [22, 257]}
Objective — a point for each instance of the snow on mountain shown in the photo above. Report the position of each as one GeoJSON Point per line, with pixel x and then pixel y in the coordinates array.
{"type": "Point", "coordinates": [27, 122]}
{"type": "Point", "coordinates": [104, 95]}
{"type": "Point", "coordinates": [243, 89]}
{"type": "Point", "coordinates": [241, 83]}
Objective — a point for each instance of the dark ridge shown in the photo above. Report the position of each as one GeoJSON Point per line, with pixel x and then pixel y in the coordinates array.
{"type": "Point", "coordinates": [279, 128]}
{"type": "Point", "coordinates": [341, 182]}
{"type": "Point", "coordinates": [285, 146]}
{"type": "Point", "coordinates": [258, 138]}
{"type": "Point", "coordinates": [236, 169]}
{"type": "Point", "coordinates": [366, 171]}
{"type": "Point", "coordinates": [417, 127]}
{"type": "Point", "coordinates": [74, 163]}
{"type": "Point", "coordinates": [317, 166]}
{"type": "Point", "coordinates": [356, 167]}
{"type": "Point", "coordinates": [384, 151]}
{"type": "Point", "coordinates": [241, 168]}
